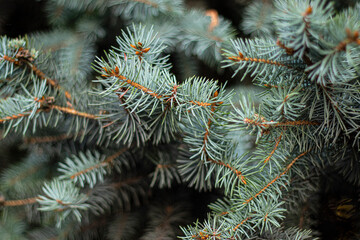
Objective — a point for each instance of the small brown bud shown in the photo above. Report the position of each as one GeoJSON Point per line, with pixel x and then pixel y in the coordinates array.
{"type": "Point", "coordinates": [308, 11]}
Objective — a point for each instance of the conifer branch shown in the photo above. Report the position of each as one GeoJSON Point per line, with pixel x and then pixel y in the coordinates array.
{"type": "Point", "coordinates": [19, 202]}
{"type": "Point", "coordinates": [273, 151]}
{"type": "Point", "coordinates": [305, 14]}
{"type": "Point", "coordinates": [295, 123]}
{"type": "Point", "coordinates": [209, 123]}
{"type": "Point", "coordinates": [241, 57]}
{"type": "Point", "coordinates": [202, 104]}
{"type": "Point", "coordinates": [38, 73]}
{"type": "Point", "coordinates": [139, 49]}
{"type": "Point", "coordinates": [205, 235]}
{"type": "Point", "coordinates": [205, 104]}
{"type": "Point", "coordinates": [10, 59]}
{"type": "Point", "coordinates": [289, 51]}
{"type": "Point", "coordinates": [122, 98]}
{"type": "Point", "coordinates": [257, 19]}
{"type": "Point", "coordinates": [46, 109]}
{"type": "Point", "coordinates": [123, 101]}
{"type": "Point", "coordinates": [115, 73]}
{"type": "Point", "coordinates": [241, 223]}
{"type": "Point", "coordinates": [74, 112]}
{"type": "Point", "coordinates": [227, 165]}
{"type": "Point", "coordinates": [107, 161]}
{"type": "Point", "coordinates": [333, 103]}
{"type": "Point", "coordinates": [20, 115]}
{"type": "Point", "coordinates": [271, 86]}
{"type": "Point", "coordinates": [311, 71]}
{"type": "Point", "coordinates": [206, 136]}
{"type": "Point", "coordinates": [276, 178]}
{"type": "Point", "coordinates": [266, 124]}
{"type": "Point", "coordinates": [172, 97]}
{"type": "Point", "coordinates": [352, 37]}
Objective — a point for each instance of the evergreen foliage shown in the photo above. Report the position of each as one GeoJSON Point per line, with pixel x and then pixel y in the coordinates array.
{"type": "Point", "coordinates": [115, 144]}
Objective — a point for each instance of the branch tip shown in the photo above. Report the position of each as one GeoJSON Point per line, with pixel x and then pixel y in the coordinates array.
{"type": "Point", "coordinates": [308, 11]}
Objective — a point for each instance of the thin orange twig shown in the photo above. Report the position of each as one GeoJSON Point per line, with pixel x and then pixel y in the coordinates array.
{"type": "Point", "coordinates": [74, 112]}
{"type": "Point", "coordinates": [241, 57]}
{"type": "Point", "coordinates": [279, 124]}
{"type": "Point", "coordinates": [19, 202]}
{"type": "Point", "coordinates": [352, 37]}
{"type": "Point", "coordinates": [146, 90]}
{"type": "Point", "coordinates": [61, 109]}
{"type": "Point", "coordinates": [40, 74]}
{"type": "Point", "coordinates": [273, 151]}
{"type": "Point", "coordinates": [13, 117]}
{"type": "Point", "coordinates": [206, 136]}
{"type": "Point", "coordinates": [107, 161]}
{"type": "Point", "coordinates": [276, 178]}
{"type": "Point", "coordinates": [241, 223]}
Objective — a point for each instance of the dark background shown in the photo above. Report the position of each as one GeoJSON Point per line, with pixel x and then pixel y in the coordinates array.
{"type": "Point", "coordinates": [18, 17]}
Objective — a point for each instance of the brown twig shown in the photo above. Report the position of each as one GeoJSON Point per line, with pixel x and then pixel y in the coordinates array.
{"type": "Point", "coordinates": [205, 140]}
{"type": "Point", "coordinates": [280, 124]}
{"type": "Point", "coordinates": [241, 57]}
{"type": "Point", "coordinates": [107, 161]}
{"type": "Point", "coordinates": [352, 37]}
{"type": "Point", "coordinates": [276, 178]}
{"type": "Point", "coordinates": [273, 151]}
{"type": "Point", "coordinates": [214, 16]}
{"type": "Point", "coordinates": [166, 98]}
{"type": "Point", "coordinates": [20, 61]}
{"type": "Point", "coordinates": [289, 51]}
{"type": "Point", "coordinates": [19, 202]}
